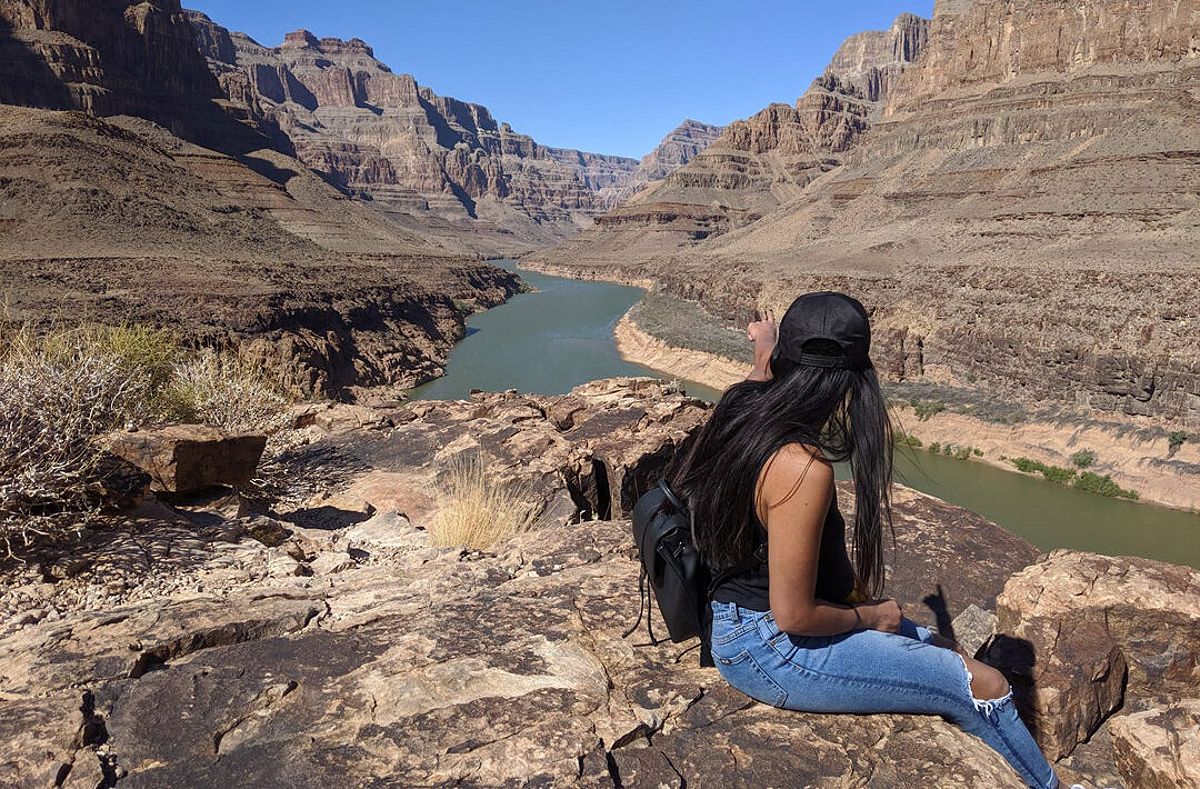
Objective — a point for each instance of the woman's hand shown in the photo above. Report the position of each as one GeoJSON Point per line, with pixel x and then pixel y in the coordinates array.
{"type": "Point", "coordinates": [763, 332]}
{"type": "Point", "coordinates": [882, 615]}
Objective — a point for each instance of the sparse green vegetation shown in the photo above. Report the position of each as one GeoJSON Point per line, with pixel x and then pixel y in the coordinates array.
{"type": "Point", "coordinates": [905, 440]}
{"type": "Point", "coordinates": [1086, 481]}
{"type": "Point", "coordinates": [935, 447]}
{"type": "Point", "coordinates": [1094, 483]}
{"type": "Point", "coordinates": [1175, 440]}
{"type": "Point", "coordinates": [685, 324]}
{"type": "Point", "coordinates": [1084, 458]}
{"type": "Point", "coordinates": [926, 408]}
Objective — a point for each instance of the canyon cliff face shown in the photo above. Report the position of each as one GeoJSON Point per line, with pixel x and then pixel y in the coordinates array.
{"type": "Point", "coordinates": [384, 138]}
{"type": "Point", "coordinates": [684, 143]}
{"type": "Point", "coordinates": [132, 189]}
{"type": "Point", "coordinates": [1016, 207]}
{"type": "Point", "coordinates": [756, 164]}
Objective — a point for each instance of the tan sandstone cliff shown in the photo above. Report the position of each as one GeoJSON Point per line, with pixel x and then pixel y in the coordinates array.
{"type": "Point", "coordinates": [133, 190]}
{"type": "Point", "coordinates": [409, 151]}
{"type": "Point", "coordinates": [1018, 215]}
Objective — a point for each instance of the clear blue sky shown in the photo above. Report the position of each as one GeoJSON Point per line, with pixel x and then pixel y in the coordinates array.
{"type": "Point", "coordinates": [611, 76]}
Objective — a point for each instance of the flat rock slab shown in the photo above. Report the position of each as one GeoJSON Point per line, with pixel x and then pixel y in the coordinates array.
{"type": "Point", "coordinates": [189, 458]}
{"type": "Point", "coordinates": [1159, 749]}
{"type": "Point", "coordinates": [446, 668]}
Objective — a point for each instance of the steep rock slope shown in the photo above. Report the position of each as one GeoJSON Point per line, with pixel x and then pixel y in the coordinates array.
{"type": "Point", "coordinates": [117, 218]}
{"type": "Point", "coordinates": [1021, 215]}
{"type": "Point", "coordinates": [758, 163]}
{"type": "Point", "coordinates": [383, 137]}
{"type": "Point", "coordinates": [684, 143]}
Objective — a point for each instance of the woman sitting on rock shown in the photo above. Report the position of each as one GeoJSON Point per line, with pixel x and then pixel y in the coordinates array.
{"type": "Point", "coordinates": [806, 630]}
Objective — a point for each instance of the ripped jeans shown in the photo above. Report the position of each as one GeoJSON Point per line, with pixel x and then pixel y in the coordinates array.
{"type": "Point", "coordinates": [865, 671]}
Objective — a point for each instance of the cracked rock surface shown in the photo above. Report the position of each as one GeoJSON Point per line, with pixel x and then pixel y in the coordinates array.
{"type": "Point", "coordinates": [355, 652]}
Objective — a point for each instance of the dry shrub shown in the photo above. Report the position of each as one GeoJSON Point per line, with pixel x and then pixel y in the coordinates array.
{"type": "Point", "coordinates": [223, 390]}
{"type": "Point", "coordinates": [478, 511]}
{"type": "Point", "coordinates": [60, 388]}
{"type": "Point", "coordinates": [58, 391]}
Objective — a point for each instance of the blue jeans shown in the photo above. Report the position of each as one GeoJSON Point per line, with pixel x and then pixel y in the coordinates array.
{"type": "Point", "coordinates": [863, 671]}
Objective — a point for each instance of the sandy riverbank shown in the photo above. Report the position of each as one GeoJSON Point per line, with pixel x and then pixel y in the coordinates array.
{"type": "Point", "coordinates": [709, 369]}
{"type": "Point", "coordinates": [1133, 461]}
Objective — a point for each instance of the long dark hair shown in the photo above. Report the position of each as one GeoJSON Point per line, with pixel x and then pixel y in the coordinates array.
{"type": "Point", "coordinates": [840, 411]}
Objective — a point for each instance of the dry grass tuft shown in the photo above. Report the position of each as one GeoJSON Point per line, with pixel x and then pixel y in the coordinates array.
{"type": "Point", "coordinates": [478, 511]}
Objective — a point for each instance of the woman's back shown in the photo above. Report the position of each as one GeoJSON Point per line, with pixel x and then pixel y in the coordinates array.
{"type": "Point", "coordinates": [835, 574]}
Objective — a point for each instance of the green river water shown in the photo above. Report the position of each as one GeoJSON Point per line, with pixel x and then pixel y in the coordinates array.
{"type": "Point", "coordinates": [560, 336]}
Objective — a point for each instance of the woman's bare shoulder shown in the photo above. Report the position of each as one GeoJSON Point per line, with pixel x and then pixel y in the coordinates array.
{"type": "Point", "coordinates": [791, 467]}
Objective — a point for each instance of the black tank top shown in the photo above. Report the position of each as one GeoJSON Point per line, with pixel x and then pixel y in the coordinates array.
{"type": "Point", "coordinates": [835, 575]}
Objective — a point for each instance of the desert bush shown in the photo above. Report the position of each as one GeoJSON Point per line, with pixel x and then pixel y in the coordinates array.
{"type": "Point", "coordinates": [1058, 474]}
{"type": "Point", "coordinates": [476, 510]}
{"type": "Point", "coordinates": [61, 387]}
{"type": "Point", "coordinates": [1084, 458]}
{"type": "Point", "coordinates": [1175, 440]}
{"type": "Point", "coordinates": [1087, 481]}
{"type": "Point", "coordinates": [905, 440]}
{"type": "Point", "coordinates": [222, 390]}
{"type": "Point", "coordinates": [935, 447]}
{"type": "Point", "coordinates": [58, 391]}
{"type": "Point", "coordinates": [1104, 485]}
{"type": "Point", "coordinates": [927, 408]}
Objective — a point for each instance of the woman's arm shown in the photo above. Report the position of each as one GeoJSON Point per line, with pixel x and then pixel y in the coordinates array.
{"type": "Point", "coordinates": [796, 490]}
{"type": "Point", "coordinates": [763, 334]}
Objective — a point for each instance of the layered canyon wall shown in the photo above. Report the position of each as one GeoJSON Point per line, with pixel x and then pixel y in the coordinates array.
{"type": "Point", "coordinates": [385, 138]}
{"type": "Point", "coordinates": [134, 189]}
{"type": "Point", "coordinates": [1017, 206]}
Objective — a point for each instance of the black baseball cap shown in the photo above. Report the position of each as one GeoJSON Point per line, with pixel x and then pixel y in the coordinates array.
{"type": "Point", "coordinates": [825, 315]}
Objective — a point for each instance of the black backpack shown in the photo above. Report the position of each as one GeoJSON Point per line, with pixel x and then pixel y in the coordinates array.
{"type": "Point", "coordinates": [679, 580]}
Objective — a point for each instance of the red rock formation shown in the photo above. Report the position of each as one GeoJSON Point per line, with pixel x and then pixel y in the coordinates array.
{"type": "Point", "coordinates": [383, 136]}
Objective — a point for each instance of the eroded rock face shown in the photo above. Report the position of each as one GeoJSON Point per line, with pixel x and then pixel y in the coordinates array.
{"type": "Point", "coordinates": [684, 143]}
{"type": "Point", "coordinates": [758, 163]}
{"type": "Point", "coordinates": [1083, 635]}
{"type": "Point", "coordinates": [586, 454]}
{"type": "Point", "coordinates": [411, 151]}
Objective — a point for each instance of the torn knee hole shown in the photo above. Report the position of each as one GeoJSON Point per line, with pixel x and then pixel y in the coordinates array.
{"type": "Point", "coordinates": [986, 706]}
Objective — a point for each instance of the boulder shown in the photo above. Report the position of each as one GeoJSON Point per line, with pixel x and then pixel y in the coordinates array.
{"type": "Point", "coordinates": [189, 458]}
{"type": "Point", "coordinates": [1159, 749]}
{"type": "Point", "coordinates": [1083, 634]}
